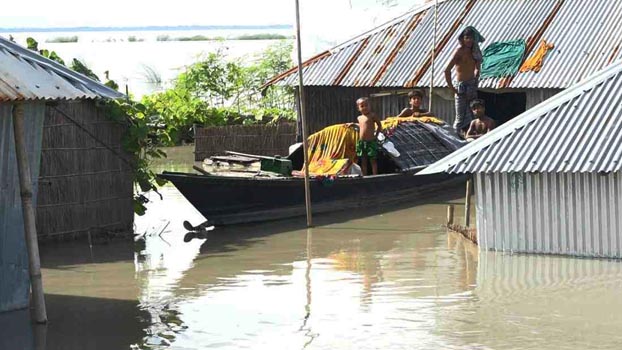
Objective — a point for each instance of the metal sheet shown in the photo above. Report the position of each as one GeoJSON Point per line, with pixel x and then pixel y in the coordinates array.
{"type": "Point", "coordinates": [587, 35]}
{"type": "Point", "coordinates": [26, 75]}
{"type": "Point", "coordinates": [13, 255]}
{"type": "Point", "coordinates": [550, 213]}
{"type": "Point", "coordinates": [577, 130]}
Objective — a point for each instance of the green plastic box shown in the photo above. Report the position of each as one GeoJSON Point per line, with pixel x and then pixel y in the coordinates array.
{"type": "Point", "coordinates": [277, 165]}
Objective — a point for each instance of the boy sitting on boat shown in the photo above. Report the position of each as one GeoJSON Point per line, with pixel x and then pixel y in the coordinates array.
{"type": "Point", "coordinates": [367, 146]}
{"type": "Point", "coordinates": [415, 98]}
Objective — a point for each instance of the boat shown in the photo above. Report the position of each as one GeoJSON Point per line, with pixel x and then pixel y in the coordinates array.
{"type": "Point", "coordinates": [238, 196]}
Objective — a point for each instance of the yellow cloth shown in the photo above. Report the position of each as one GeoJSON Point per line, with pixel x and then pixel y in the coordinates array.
{"type": "Point", "coordinates": [332, 149]}
{"type": "Point", "coordinates": [392, 122]}
{"type": "Point", "coordinates": [329, 166]}
{"type": "Point", "coordinates": [536, 60]}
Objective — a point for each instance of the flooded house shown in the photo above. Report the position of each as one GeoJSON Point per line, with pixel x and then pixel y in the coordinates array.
{"type": "Point", "coordinates": [41, 88]}
{"type": "Point", "coordinates": [559, 43]}
{"type": "Point", "coordinates": [549, 181]}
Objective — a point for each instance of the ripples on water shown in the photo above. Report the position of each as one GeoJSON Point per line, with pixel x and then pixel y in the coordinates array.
{"type": "Point", "coordinates": [390, 281]}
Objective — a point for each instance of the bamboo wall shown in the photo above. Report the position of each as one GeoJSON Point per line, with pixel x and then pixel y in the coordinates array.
{"type": "Point", "coordinates": [83, 185]}
{"type": "Point", "coordinates": [268, 140]}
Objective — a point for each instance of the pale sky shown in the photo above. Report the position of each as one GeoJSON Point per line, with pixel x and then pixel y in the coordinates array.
{"type": "Point", "coordinates": [325, 23]}
{"type": "Point", "coordinates": [71, 13]}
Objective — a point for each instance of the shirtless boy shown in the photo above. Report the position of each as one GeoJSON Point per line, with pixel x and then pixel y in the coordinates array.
{"type": "Point", "coordinates": [468, 60]}
{"type": "Point", "coordinates": [367, 146]}
{"type": "Point", "coordinates": [481, 124]}
{"type": "Point", "coordinates": [415, 98]}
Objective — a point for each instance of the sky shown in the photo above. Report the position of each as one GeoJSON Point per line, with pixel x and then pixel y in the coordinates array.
{"type": "Point", "coordinates": [71, 13]}
{"type": "Point", "coordinates": [325, 23]}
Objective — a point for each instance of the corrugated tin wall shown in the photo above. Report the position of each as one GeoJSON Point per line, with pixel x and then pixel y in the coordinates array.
{"type": "Point", "coordinates": [14, 282]}
{"type": "Point", "coordinates": [536, 96]}
{"type": "Point", "coordinates": [576, 214]}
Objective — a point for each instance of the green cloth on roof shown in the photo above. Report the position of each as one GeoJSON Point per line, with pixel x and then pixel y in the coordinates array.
{"type": "Point", "coordinates": [502, 59]}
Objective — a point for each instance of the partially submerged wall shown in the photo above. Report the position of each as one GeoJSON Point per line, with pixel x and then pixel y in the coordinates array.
{"type": "Point", "coordinates": [551, 213]}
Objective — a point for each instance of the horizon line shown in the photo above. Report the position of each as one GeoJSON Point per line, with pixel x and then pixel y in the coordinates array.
{"type": "Point", "coordinates": [139, 28]}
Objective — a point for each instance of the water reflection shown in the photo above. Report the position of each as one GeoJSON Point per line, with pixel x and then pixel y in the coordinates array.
{"type": "Point", "coordinates": [394, 280]}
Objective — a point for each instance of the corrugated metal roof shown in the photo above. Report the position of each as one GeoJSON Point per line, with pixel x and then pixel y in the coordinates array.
{"type": "Point", "coordinates": [587, 35]}
{"type": "Point", "coordinates": [577, 130]}
{"type": "Point", "coordinates": [26, 75]}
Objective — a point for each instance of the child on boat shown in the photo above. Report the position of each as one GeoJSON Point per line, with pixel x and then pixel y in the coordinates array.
{"type": "Point", "coordinates": [367, 146]}
{"type": "Point", "coordinates": [415, 98]}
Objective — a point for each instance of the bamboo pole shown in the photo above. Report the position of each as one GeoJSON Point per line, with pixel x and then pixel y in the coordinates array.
{"type": "Point", "coordinates": [433, 52]}
{"type": "Point", "coordinates": [467, 204]}
{"type": "Point", "coordinates": [450, 215]}
{"type": "Point", "coordinates": [30, 229]}
{"type": "Point", "coordinates": [303, 122]}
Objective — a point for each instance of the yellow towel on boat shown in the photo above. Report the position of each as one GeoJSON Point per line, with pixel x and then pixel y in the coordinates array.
{"type": "Point", "coordinates": [329, 166]}
{"type": "Point", "coordinates": [332, 150]}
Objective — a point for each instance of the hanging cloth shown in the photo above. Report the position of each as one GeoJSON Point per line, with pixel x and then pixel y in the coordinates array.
{"type": "Point", "coordinates": [535, 62]}
{"type": "Point", "coordinates": [502, 59]}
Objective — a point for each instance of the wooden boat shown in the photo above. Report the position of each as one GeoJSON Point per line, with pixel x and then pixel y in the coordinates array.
{"type": "Point", "coordinates": [234, 199]}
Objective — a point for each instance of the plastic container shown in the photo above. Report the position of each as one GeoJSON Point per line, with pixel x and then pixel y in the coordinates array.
{"type": "Point", "coordinates": [277, 165]}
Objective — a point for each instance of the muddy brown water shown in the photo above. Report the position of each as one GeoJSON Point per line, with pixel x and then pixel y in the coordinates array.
{"type": "Point", "coordinates": [375, 280]}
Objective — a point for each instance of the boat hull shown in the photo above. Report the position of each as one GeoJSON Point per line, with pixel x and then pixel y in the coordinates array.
{"type": "Point", "coordinates": [232, 200]}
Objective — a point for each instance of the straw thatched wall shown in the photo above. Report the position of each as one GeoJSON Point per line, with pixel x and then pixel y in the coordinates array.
{"type": "Point", "coordinates": [267, 140]}
{"type": "Point", "coordinates": [84, 184]}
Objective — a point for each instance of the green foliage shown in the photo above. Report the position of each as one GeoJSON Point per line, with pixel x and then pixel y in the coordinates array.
{"type": "Point", "coordinates": [134, 39]}
{"type": "Point", "coordinates": [194, 38]}
{"type": "Point", "coordinates": [139, 141]}
{"type": "Point", "coordinates": [80, 67]}
{"type": "Point", "coordinates": [219, 91]}
{"type": "Point", "coordinates": [63, 39]}
{"type": "Point", "coordinates": [262, 36]}
{"type": "Point", "coordinates": [33, 45]}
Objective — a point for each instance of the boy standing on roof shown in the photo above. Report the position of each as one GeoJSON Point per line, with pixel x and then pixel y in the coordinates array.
{"type": "Point", "coordinates": [468, 61]}
{"type": "Point", "coordinates": [482, 123]}
{"type": "Point", "coordinates": [367, 146]}
{"type": "Point", "coordinates": [415, 98]}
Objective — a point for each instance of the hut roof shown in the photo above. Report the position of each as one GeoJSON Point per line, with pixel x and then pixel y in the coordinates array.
{"type": "Point", "coordinates": [578, 130]}
{"type": "Point", "coordinates": [586, 34]}
{"type": "Point", "coordinates": [26, 75]}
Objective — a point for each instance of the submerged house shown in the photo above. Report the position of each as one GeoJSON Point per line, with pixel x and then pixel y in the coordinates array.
{"type": "Point", "coordinates": [37, 84]}
{"type": "Point", "coordinates": [391, 59]}
{"type": "Point", "coordinates": [550, 180]}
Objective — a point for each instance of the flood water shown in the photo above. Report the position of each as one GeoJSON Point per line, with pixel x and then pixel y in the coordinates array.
{"type": "Point", "coordinates": [384, 280]}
